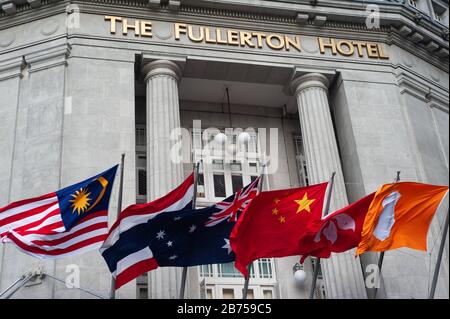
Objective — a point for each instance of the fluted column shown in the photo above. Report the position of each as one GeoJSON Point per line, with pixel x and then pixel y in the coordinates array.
{"type": "Point", "coordinates": [342, 272]}
{"type": "Point", "coordinates": [163, 174]}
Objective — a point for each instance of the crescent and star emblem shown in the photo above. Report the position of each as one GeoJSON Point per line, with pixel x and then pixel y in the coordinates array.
{"type": "Point", "coordinates": [81, 202]}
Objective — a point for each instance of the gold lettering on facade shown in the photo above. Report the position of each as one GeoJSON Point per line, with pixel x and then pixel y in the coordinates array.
{"type": "Point", "coordinates": [276, 45]}
{"type": "Point", "coordinates": [246, 39]}
{"type": "Point", "coordinates": [126, 26]}
{"type": "Point", "coordinates": [381, 54]}
{"type": "Point", "coordinates": [359, 46]}
{"type": "Point", "coordinates": [113, 22]}
{"type": "Point", "coordinates": [219, 37]}
{"type": "Point", "coordinates": [331, 44]}
{"type": "Point", "coordinates": [193, 38]}
{"type": "Point", "coordinates": [348, 48]}
{"type": "Point", "coordinates": [372, 50]}
{"type": "Point", "coordinates": [179, 29]}
{"type": "Point", "coordinates": [252, 39]}
{"type": "Point", "coordinates": [141, 27]}
{"type": "Point", "coordinates": [259, 36]}
{"type": "Point", "coordinates": [208, 38]}
{"type": "Point", "coordinates": [146, 28]}
{"type": "Point", "coordinates": [233, 37]}
{"type": "Point", "coordinates": [295, 42]}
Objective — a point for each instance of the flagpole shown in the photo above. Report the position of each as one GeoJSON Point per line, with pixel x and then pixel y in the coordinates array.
{"type": "Point", "coordinates": [439, 260]}
{"type": "Point", "coordinates": [119, 209]}
{"type": "Point", "coordinates": [247, 279]}
{"type": "Point", "coordinates": [381, 258]}
{"type": "Point", "coordinates": [194, 200]}
{"type": "Point", "coordinates": [326, 212]}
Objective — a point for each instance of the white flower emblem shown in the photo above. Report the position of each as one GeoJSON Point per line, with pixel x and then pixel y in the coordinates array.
{"type": "Point", "coordinates": [330, 228]}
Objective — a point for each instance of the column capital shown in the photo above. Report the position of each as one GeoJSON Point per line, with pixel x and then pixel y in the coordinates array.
{"type": "Point", "coordinates": [309, 80]}
{"type": "Point", "coordinates": [161, 67]}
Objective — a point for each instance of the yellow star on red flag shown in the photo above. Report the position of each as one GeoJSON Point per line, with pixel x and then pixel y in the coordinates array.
{"type": "Point", "coordinates": [304, 203]}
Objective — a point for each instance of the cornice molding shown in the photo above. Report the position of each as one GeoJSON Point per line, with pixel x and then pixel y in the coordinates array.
{"type": "Point", "coordinates": [11, 68]}
{"type": "Point", "coordinates": [439, 101]}
{"type": "Point", "coordinates": [426, 93]}
{"type": "Point", "coordinates": [49, 58]}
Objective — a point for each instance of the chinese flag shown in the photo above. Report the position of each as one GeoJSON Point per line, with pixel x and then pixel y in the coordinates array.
{"type": "Point", "coordinates": [338, 232]}
{"type": "Point", "coordinates": [400, 216]}
{"type": "Point", "coordinates": [273, 223]}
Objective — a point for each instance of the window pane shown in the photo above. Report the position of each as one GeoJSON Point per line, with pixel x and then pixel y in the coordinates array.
{"type": "Point", "coordinates": [228, 293]}
{"type": "Point", "coordinates": [206, 271]}
{"type": "Point", "coordinates": [209, 294]}
{"type": "Point", "coordinates": [253, 145]}
{"type": "Point", "coordinates": [265, 268]}
{"type": "Point", "coordinates": [142, 181]}
{"type": "Point", "coordinates": [143, 293]}
{"type": "Point", "coordinates": [236, 167]}
{"type": "Point", "coordinates": [268, 294]}
{"type": "Point", "coordinates": [200, 185]}
{"type": "Point", "coordinates": [141, 136]}
{"type": "Point", "coordinates": [217, 165]}
{"type": "Point", "coordinates": [237, 182]}
{"type": "Point", "coordinates": [253, 168]}
{"type": "Point", "coordinates": [219, 185]}
{"type": "Point", "coordinates": [228, 270]}
{"type": "Point", "coordinates": [141, 161]}
{"type": "Point", "coordinates": [200, 179]}
{"type": "Point", "coordinates": [250, 294]}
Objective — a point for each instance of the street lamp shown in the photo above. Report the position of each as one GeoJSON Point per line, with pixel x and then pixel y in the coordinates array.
{"type": "Point", "coordinates": [299, 274]}
{"type": "Point", "coordinates": [220, 138]}
{"type": "Point", "coordinates": [243, 138]}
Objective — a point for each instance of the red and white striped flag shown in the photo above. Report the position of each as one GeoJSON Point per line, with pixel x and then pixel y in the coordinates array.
{"type": "Point", "coordinates": [63, 223]}
{"type": "Point", "coordinates": [125, 257]}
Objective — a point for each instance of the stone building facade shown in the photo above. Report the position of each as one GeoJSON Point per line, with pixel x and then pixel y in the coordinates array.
{"type": "Point", "coordinates": [359, 88]}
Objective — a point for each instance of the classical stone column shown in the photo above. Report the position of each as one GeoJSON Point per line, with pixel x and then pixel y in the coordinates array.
{"type": "Point", "coordinates": [163, 175]}
{"type": "Point", "coordinates": [342, 272]}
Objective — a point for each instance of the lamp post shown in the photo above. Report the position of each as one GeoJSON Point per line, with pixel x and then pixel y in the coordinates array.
{"type": "Point", "coordinates": [299, 274]}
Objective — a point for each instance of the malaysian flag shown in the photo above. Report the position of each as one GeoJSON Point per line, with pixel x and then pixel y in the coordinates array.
{"type": "Point", "coordinates": [65, 223]}
{"type": "Point", "coordinates": [125, 250]}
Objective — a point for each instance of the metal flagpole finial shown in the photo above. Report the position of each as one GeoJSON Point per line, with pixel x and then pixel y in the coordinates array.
{"type": "Point", "coordinates": [397, 179]}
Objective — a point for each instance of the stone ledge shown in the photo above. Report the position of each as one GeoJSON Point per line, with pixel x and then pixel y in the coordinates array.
{"type": "Point", "coordinates": [11, 68]}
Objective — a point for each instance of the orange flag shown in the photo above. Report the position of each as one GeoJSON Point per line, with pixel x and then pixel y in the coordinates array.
{"type": "Point", "coordinates": [399, 216]}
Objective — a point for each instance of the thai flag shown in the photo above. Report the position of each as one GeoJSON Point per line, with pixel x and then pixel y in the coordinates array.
{"type": "Point", "coordinates": [63, 223]}
{"type": "Point", "coordinates": [132, 260]}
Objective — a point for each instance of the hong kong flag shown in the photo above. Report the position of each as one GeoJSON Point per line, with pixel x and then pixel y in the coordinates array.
{"type": "Point", "coordinates": [274, 222]}
{"type": "Point", "coordinates": [338, 232]}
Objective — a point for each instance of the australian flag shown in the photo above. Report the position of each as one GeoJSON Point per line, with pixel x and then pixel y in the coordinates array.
{"type": "Point", "coordinates": [181, 238]}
